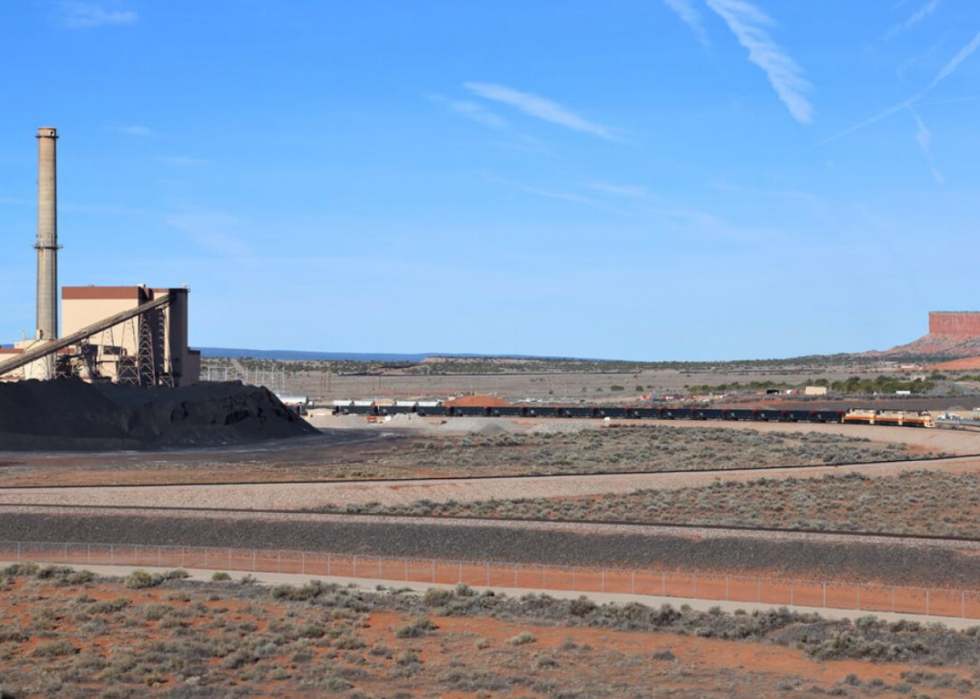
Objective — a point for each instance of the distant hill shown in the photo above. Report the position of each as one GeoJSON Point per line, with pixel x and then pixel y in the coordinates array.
{"type": "Point", "coordinates": [292, 355]}
{"type": "Point", "coordinates": [952, 335]}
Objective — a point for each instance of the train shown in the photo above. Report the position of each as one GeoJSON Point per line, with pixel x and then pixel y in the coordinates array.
{"type": "Point", "coordinates": [433, 409]}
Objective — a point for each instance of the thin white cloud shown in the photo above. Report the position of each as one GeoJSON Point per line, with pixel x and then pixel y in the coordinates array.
{"type": "Point", "coordinates": [479, 114]}
{"type": "Point", "coordinates": [182, 160]}
{"type": "Point", "coordinates": [471, 110]}
{"type": "Point", "coordinates": [958, 59]}
{"type": "Point", "coordinates": [921, 57]}
{"type": "Point", "coordinates": [214, 231]}
{"type": "Point", "coordinates": [135, 130]}
{"type": "Point", "coordinates": [924, 138]}
{"type": "Point", "coordinates": [749, 25]}
{"type": "Point", "coordinates": [75, 14]}
{"type": "Point", "coordinates": [946, 72]}
{"type": "Point", "coordinates": [691, 16]}
{"type": "Point", "coordinates": [619, 190]}
{"type": "Point", "coordinates": [561, 196]}
{"type": "Point", "coordinates": [916, 17]}
{"type": "Point", "coordinates": [539, 107]}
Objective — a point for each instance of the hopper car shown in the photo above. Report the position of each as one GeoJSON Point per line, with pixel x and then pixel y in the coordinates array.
{"type": "Point", "coordinates": [895, 418]}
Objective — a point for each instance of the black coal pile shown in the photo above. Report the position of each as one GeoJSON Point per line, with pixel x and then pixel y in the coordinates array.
{"type": "Point", "coordinates": [71, 415]}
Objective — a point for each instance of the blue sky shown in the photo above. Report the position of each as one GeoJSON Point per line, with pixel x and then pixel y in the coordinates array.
{"type": "Point", "coordinates": [642, 179]}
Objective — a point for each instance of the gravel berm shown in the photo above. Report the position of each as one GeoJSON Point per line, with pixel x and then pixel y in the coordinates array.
{"type": "Point", "coordinates": [920, 565]}
{"type": "Point", "coordinates": [71, 415]}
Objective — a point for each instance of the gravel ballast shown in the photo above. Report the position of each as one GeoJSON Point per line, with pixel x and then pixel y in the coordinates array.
{"type": "Point", "coordinates": [905, 562]}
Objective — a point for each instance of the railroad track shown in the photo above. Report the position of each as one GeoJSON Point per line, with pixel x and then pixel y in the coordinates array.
{"type": "Point", "coordinates": [420, 479]}
{"type": "Point", "coordinates": [638, 527]}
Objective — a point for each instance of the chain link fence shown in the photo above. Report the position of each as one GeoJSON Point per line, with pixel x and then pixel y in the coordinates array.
{"type": "Point", "coordinates": [870, 597]}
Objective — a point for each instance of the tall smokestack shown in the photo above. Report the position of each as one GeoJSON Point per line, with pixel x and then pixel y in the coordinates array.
{"type": "Point", "coordinates": [47, 235]}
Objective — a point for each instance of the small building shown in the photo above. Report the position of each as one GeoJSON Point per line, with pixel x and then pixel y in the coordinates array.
{"type": "Point", "coordinates": [815, 391]}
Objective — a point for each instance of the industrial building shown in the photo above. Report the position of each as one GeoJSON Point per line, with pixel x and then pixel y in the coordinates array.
{"type": "Point", "coordinates": [126, 334]}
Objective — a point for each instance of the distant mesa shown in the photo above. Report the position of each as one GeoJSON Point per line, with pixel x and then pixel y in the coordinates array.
{"type": "Point", "coordinates": [952, 334]}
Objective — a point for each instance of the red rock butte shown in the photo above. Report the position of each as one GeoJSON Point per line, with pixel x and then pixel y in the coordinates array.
{"type": "Point", "coordinates": [952, 334]}
{"type": "Point", "coordinates": [955, 323]}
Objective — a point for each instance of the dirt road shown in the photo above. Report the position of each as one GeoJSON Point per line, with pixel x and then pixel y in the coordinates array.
{"type": "Point", "coordinates": [304, 496]}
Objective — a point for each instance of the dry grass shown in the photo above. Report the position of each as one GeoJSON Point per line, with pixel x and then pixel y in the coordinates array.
{"type": "Point", "coordinates": [639, 448]}
{"type": "Point", "coordinates": [914, 502]}
{"type": "Point", "coordinates": [647, 448]}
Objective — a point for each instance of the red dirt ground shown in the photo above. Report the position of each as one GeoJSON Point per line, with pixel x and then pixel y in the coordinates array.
{"type": "Point", "coordinates": [451, 657]}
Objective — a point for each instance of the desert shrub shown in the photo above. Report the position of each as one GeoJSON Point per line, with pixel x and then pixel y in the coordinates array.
{"type": "Point", "coordinates": [349, 641]}
{"type": "Point", "coordinates": [108, 606]}
{"type": "Point", "coordinates": [408, 657]}
{"type": "Point", "coordinates": [437, 598]}
{"type": "Point", "coordinates": [25, 570]}
{"type": "Point", "coordinates": [416, 629]}
{"type": "Point", "coordinates": [311, 630]}
{"type": "Point", "coordinates": [311, 590]}
{"type": "Point", "coordinates": [582, 606]}
{"type": "Point", "coordinates": [464, 590]}
{"type": "Point", "coordinates": [220, 576]}
{"type": "Point", "coordinates": [521, 639]}
{"type": "Point", "coordinates": [13, 635]}
{"type": "Point", "coordinates": [141, 579]}
{"type": "Point", "coordinates": [543, 662]}
{"type": "Point", "coordinates": [65, 575]}
{"type": "Point", "coordinates": [55, 649]}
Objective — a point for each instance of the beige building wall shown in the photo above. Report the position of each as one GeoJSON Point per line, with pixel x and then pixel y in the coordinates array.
{"type": "Point", "coordinates": [85, 305]}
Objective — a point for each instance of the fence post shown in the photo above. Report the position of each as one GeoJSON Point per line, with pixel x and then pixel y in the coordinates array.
{"type": "Point", "coordinates": [758, 591]}
{"type": "Point", "coordinates": [329, 564]}
{"type": "Point", "coordinates": [824, 586]}
{"type": "Point", "coordinates": [354, 573]}
{"type": "Point", "coordinates": [379, 569]}
{"type": "Point", "coordinates": [229, 559]}
{"type": "Point", "coordinates": [433, 571]}
{"type": "Point", "coordinates": [859, 596]}
{"type": "Point", "coordinates": [893, 599]}
{"type": "Point", "coordinates": [18, 552]}
{"type": "Point", "coordinates": [278, 561]}
{"type": "Point", "coordinates": [727, 587]}
{"type": "Point", "coordinates": [663, 584]}
{"type": "Point", "coordinates": [159, 556]}
{"type": "Point", "coordinates": [66, 552]}
{"type": "Point", "coordinates": [253, 560]}
{"type": "Point", "coordinates": [792, 593]}
{"type": "Point", "coordinates": [695, 579]}
{"type": "Point", "coordinates": [963, 604]}
{"type": "Point", "coordinates": [927, 601]}
{"type": "Point", "coordinates": [112, 554]}
{"type": "Point", "coordinates": [488, 573]}
{"type": "Point", "coordinates": [303, 562]}
{"type": "Point", "coordinates": [206, 560]}
{"type": "Point", "coordinates": [515, 575]}
{"type": "Point", "coordinates": [602, 587]}
{"type": "Point", "coordinates": [633, 582]}
{"type": "Point", "coordinates": [88, 554]}
{"type": "Point", "coordinates": [406, 571]}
